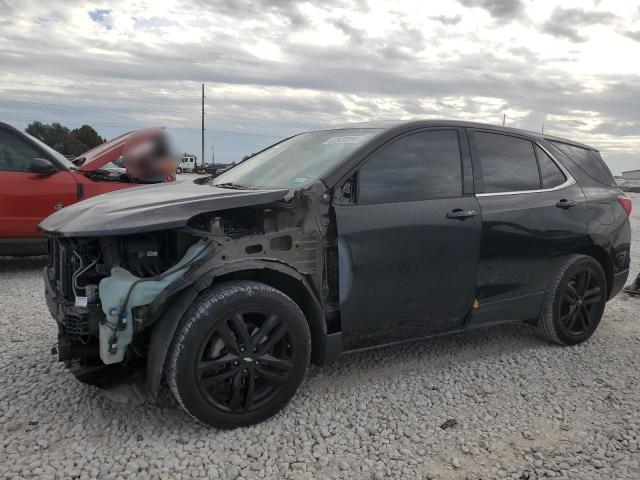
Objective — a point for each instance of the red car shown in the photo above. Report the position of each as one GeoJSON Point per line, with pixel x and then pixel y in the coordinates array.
{"type": "Point", "coordinates": [36, 180]}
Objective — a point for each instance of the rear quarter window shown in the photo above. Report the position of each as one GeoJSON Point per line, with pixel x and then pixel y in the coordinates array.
{"type": "Point", "coordinates": [588, 160]}
{"type": "Point", "coordinates": [551, 175]}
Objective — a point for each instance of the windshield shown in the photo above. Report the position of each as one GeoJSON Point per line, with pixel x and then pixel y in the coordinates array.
{"type": "Point", "coordinates": [54, 153]}
{"type": "Point", "coordinates": [298, 161]}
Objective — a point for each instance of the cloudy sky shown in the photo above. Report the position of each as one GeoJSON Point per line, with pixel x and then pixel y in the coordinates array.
{"type": "Point", "coordinates": [275, 67]}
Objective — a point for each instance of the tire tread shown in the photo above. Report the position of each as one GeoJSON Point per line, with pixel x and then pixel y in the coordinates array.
{"type": "Point", "coordinates": [545, 325]}
{"type": "Point", "coordinates": [199, 308]}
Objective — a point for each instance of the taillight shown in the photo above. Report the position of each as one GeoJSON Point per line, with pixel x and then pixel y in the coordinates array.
{"type": "Point", "coordinates": [626, 203]}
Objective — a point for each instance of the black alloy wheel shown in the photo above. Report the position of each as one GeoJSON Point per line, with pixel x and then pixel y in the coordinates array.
{"type": "Point", "coordinates": [580, 303]}
{"type": "Point", "coordinates": [244, 361]}
{"type": "Point", "coordinates": [239, 355]}
{"type": "Point", "coordinates": [575, 301]}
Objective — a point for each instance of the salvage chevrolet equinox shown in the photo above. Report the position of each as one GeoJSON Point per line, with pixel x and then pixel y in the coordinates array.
{"type": "Point", "coordinates": [328, 242]}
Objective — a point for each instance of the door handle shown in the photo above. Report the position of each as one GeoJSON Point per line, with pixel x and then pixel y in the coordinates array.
{"type": "Point", "coordinates": [459, 214]}
{"type": "Point", "coordinates": [566, 204]}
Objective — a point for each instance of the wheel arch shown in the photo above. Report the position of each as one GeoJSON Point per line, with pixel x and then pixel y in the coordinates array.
{"type": "Point", "coordinates": [598, 253]}
{"type": "Point", "coordinates": [272, 273]}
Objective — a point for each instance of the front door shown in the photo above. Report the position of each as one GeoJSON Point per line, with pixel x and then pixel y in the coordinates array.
{"type": "Point", "coordinates": [27, 198]}
{"type": "Point", "coordinates": [407, 242]}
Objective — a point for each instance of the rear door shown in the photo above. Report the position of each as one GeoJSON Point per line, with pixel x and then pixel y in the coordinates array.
{"type": "Point", "coordinates": [27, 198]}
{"type": "Point", "coordinates": [407, 241]}
{"type": "Point", "coordinates": [533, 215]}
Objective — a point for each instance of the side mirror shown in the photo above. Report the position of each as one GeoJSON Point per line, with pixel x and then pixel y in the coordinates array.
{"type": "Point", "coordinates": [42, 166]}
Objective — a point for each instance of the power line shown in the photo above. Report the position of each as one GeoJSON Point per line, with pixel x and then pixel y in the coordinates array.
{"type": "Point", "coordinates": [129, 109]}
{"type": "Point", "coordinates": [213, 130]}
{"type": "Point", "coordinates": [168, 95]}
{"type": "Point", "coordinates": [42, 104]}
{"type": "Point", "coordinates": [122, 109]}
{"type": "Point", "coordinates": [101, 90]}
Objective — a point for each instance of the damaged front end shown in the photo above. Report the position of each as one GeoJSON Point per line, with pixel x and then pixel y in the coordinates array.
{"type": "Point", "coordinates": [108, 292]}
{"type": "Point", "coordinates": [97, 290]}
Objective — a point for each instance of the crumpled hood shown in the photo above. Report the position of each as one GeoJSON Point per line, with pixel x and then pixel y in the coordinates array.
{"type": "Point", "coordinates": [151, 207]}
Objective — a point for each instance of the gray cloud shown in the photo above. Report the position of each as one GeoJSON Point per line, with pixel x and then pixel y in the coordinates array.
{"type": "Point", "coordinates": [256, 9]}
{"type": "Point", "coordinates": [8, 7]}
{"type": "Point", "coordinates": [499, 9]}
{"type": "Point", "coordinates": [356, 35]}
{"type": "Point", "coordinates": [617, 129]}
{"type": "Point", "coordinates": [403, 72]}
{"type": "Point", "coordinates": [380, 67]}
{"type": "Point", "coordinates": [447, 20]}
{"type": "Point", "coordinates": [634, 35]}
{"type": "Point", "coordinates": [287, 9]}
{"type": "Point", "coordinates": [568, 22]}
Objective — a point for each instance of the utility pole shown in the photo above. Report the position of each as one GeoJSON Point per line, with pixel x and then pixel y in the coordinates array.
{"type": "Point", "coordinates": [504, 117]}
{"type": "Point", "coordinates": [542, 128]}
{"type": "Point", "coordinates": [213, 155]}
{"type": "Point", "coordinates": [202, 125]}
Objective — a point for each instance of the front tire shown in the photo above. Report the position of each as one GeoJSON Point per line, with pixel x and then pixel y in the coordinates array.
{"type": "Point", "coordinates": [575, 302]}
{"type": "Point", "coordinates": [179, 170]}
{"type": "Point", "coordinates": [239, 355]}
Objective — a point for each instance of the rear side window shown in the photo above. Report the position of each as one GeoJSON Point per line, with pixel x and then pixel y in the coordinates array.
{"type": "Point", "coordinates": [508, 163]}
{"type": "Point", "coordinates": [421, 166]}
{"type": "Point", "coordinates": [551, 174]}
{"type": "Point", "coordinates": [588, 160]}
{"type": "Point", "coordinates": [16, 154]}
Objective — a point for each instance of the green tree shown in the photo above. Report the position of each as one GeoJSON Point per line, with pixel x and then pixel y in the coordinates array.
{"type": "Point", "coordinates": [68, 142]}
{"type": "Point", "coordinates": [88, 136]}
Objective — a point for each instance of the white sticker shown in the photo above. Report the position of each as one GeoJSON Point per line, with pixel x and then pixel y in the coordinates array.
{"type": "Point", "coordinates": [346, 139]}
{"type": "Point", "coordinates": [300, 180]}
{"type": "Point", "coordinates": [81, 301]}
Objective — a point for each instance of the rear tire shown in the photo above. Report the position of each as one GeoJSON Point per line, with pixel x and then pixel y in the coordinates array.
{"type": "Point", "coordinates": [575, 302]}
{"type": "Point", "coordinates": [179, 170]}
{"type": "Point", "coordinates": [239, 355]}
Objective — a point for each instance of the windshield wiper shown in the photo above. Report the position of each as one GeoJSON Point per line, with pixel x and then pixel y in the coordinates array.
{"type": "Point", "coordinates": [235, 186]}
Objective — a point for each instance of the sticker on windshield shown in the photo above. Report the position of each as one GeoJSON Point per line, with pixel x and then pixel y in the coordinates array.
{"type": "Point", "coordinates": [300, 180]}
{"type": "Point", "coordinates": [346, 139]}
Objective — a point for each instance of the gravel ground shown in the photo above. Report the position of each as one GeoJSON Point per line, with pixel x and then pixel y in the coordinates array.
{"type": "Point", "coordinates": [497, 403]}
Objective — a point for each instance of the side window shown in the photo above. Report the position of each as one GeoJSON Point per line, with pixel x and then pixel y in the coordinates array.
{"type": "Point", "coordinates": [420, 166]}
{"type": "Point", "coordinates": [551, 175]}
{"type": "Point", "coordinates": [15, 153]}
{"type": "Point", "coordinates": [508, 163]}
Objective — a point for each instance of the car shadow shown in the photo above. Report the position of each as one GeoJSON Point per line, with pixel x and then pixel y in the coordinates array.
{"type": "Point", "coordinates": [469, 347]}
{"type": "Point", "coordinates": [22, 264]}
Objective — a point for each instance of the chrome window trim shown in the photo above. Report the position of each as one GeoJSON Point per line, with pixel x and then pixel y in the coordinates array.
{"type": "Point", "coordinates": [567, 183]}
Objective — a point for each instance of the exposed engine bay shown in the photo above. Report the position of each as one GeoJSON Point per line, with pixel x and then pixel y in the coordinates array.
{"type": "Point", "coordinates": [77, 270]}
{"type": "Point", "coordinates": [107, 292]}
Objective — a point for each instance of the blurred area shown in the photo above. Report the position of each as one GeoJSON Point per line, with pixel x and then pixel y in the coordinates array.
{"type": "Point", "coordinates": [151, 159]}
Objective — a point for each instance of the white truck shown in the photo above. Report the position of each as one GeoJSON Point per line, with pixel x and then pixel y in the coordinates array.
{"type": "Point", "coordinates": [188, 164]}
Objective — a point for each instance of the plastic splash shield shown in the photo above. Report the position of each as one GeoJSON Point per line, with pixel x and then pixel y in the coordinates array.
{"type": "Point", "coordinates": [113, 291]}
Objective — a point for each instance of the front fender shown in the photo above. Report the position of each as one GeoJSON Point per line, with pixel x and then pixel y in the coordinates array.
{"type": "Point", "coordinates": [174, 307]}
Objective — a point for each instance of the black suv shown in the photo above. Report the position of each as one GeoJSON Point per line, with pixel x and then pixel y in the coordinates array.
{"type": "Point", "coordinates": [332, 241]}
